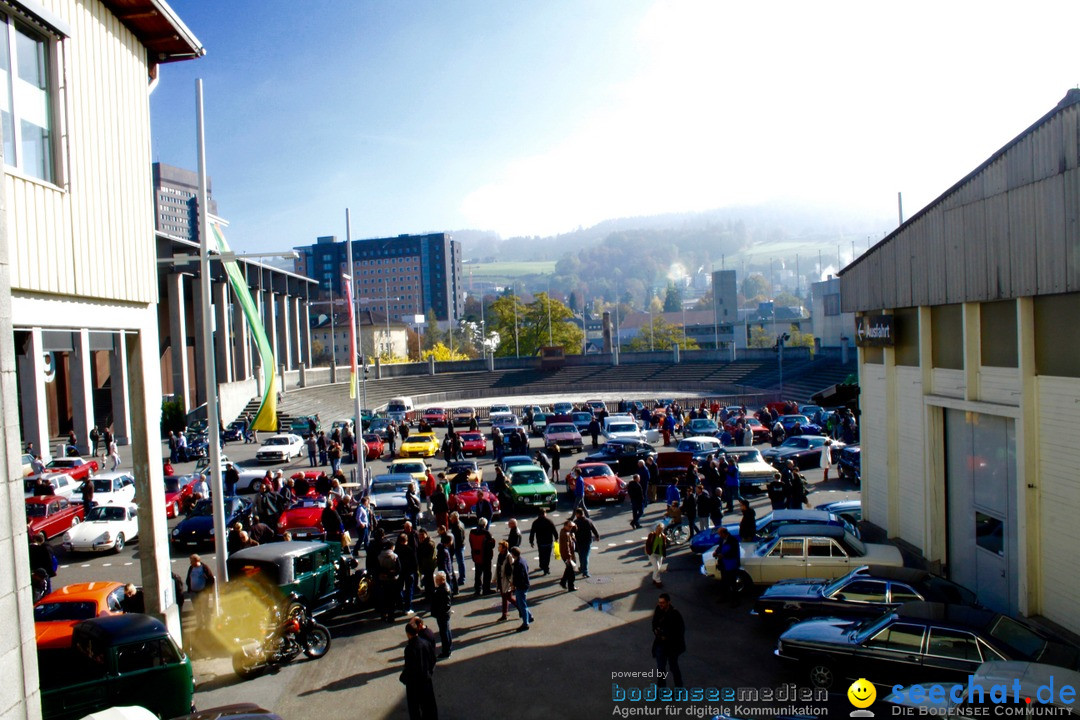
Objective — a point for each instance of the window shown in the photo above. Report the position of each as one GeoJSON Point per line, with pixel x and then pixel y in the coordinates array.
{"type": "Point", "coordinates": [819, 547]}
{"type": "Point", "coordinates": [903, 594]}
{"type": "Point", "coordinates": [145, 655]}
{"type": "Point", "coordinates": [788, 547]}
{"type": "Point", "coordinates": [953, 644]}
{"type": "Point", "coordinates": [24, 103]}
{"type": "Point", "coordinates": [899, 637]}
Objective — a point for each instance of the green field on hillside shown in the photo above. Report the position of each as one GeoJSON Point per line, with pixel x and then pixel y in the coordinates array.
{"type": "Point", "coordinates": [508, 269]}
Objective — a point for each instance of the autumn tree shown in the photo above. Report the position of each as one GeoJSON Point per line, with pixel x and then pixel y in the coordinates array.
{"type": "Point", "coordinates": [529, 323]}
{"type": "Point", "coordinates": [660, 335]}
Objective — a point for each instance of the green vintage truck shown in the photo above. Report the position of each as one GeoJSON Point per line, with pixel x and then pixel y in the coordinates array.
{"type": "Point", "coordinates": [118, 660]}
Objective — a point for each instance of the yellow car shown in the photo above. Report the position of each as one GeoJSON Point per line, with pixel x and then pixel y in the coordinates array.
{"type": "Point", "coordinates": [419, 445]}
{"type": "Point", "coordinates": [425, 481]}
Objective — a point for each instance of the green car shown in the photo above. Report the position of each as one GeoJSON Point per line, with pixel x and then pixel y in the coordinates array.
{"type": "Point", "coordinates": [528, 486]}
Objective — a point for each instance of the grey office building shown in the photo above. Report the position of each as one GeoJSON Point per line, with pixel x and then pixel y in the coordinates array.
{"type": "Point", "coordinates": [176, 196]}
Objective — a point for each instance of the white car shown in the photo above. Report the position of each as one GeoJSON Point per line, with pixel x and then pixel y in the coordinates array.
{"type": "Point", "coordinates": [63, 484]}
{"type": "Point", "coordinates": [622, 428]}
{"type": "Point", "coordinates": [280, 448]}
{"type": "Point", "coordinates": [107, 527]}
{"type": "Point", "coordinates": [753, 470]}
{"type": "Point", "coordinates": [114, 488]}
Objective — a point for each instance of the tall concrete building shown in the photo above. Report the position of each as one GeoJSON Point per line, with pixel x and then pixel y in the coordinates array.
{"type": "Point", "coordinates": [175, 201]}
{"type": "Point", "coordinates": [725, 306]}
{"type": "Point", "coordinates": [403, 276]}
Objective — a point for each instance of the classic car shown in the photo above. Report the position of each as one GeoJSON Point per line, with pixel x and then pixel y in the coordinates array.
{"type": "Point", "coordinates": [753, 470]}
{"type": "Point", "coordinates": [851, 510]}
{"type": "Point", "coordinates": [307, 568]}
{"type": "Point", "coordinates": [378, 425]}
{"type": "Point", "coordinates": [700, 447]}
{"type": "Point", "coordinates": [849, 467]}
{"type": "Point", "coordinates": [540, 420]}
{"type": "Point", "coordinates": [464, 471]}
{"type": "Point", "coordinates": [197, 529]}
{"type": "Point", "coordinates": [235, 432]}
{"type": "Point", "coordinates": [342, 424]}
{"type": "Point", "coordinates": [75, 467]}
{"type": "Point", "coordinates": [562, 408]}
{"type": "Point", "coordinates": [802, 551]}
{"type": "Point", "coordinates": [805, 450]}
{"type": "Point", "coordinates": [563, 434]}
{"type": "Point", "coordinates": [508, 461]}
{"type": "Point", "coordinates": [303, 519]}
{"type": "Point", "coordinates": [464, 496]}
{"type": "Point", "coordinates": [619, 428]}
{"type": "Point", "coordinates": [302, 425]}
{"type": "Point", "coordinates": [63, 485]}
{"type": "Point", "coordinates": [768, 524]}
{"type": "Point", "coordinates": [373, 443]}
{"type": "Point", "coordinates": [434, 416]}
{"type": "Point", "coordinates": [463, 415]}
{"type": "Point", "coordinates": [622, 455]}
{"type": "Point", "coordinates": [761, 433]}
{"type": "Point", "coordinates": [500, 409]}
{"type": "Point", "coordinates": [1024, 680]}
{"type": "Point", "coordinates": [473, 443]}
{"type": "Point", "coordinates": [913, 643]}
{"type": "Point", "coordinates": [420, 473]}
{"type": "Point", "coordinates": [106, 527]}
{"type": "Point", "coordinates": [114, 488]}
{"type": "Point", "coordinates": [419, 444]}
{"type": "Point", "coordinates": [595, 406]}
{"type": "Point", "coordinates": [866, 591]}
{"type": "Point", "coordinates": [280, 448]}
{"type": "Point", "coordinates": [127, 659]}
{"type": "Point", "coordinates": [581, 420]}
{"type": "Point", "coordinates": [178, 493]}
{"type": "Point", "coordinates": [672, 467]}
{"type": "Point", "coordinates": [601, 483]}
{"type": "Point", "coordinates": [701, 426]}
{"type": "Point", "coordinates": [387, 495]}
{"type": "Point", "coordinates": [27, 464]}
{"type": "Point", "coordinates": [794, 424]}
{"type": "Point", "coordinates": [56, 614]}
{"type": "Point", "coordinates": [529, 486]}
{"type": "Point", "coordinates": [52, 514]}
{"type": "Point", "coordinates": [503, 421]}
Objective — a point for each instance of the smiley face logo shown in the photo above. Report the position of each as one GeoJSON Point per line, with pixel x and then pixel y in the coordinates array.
{"type": "Point", "coordinates": [862, 693]}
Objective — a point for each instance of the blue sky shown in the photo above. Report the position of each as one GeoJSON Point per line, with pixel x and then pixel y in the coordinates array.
{"type": "Point", "coordinates": [537, 117]}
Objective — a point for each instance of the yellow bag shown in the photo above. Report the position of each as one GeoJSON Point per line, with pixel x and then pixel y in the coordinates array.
{"type": "Point", "coordinates": [558, 556]}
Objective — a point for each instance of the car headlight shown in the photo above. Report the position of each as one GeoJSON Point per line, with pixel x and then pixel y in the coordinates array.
{"type": "Point", "coordinates": [107, 537]}
{"type": "Point", "coordinates": [67, 537]}
{"type": "Point", "coordinates": [590, 488]}
{"type": "Point", "coordinates": [211, 532]}
{"type": "Point", "coordinates": [176, 532]}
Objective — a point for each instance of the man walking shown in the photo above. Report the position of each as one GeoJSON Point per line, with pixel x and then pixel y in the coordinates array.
{"type": "Point", "coordinates": [519, 583]}
{"type": "Point", "coordinates": [584, 534]}
{"type": "Point", "coordinates": [200, 583]}
{"type": "Point", "coordinates": [567, 547]}
{"type": "Point", "coordinates": [637, 497]}
{"type": "Point", "coordinates": [440, 610]}
{"type": "Point", "coordinates": [482, 545]}
{"type": "Point", "coordinates": [656, 550]}
{"type": "Point", "coordinates": [669, 639]}
{"type": "Point", "coordinates": [418, 671]}
{"type": "Point", "coordinates": [645, 477]}
{"type": "Point", "coordinates": [727, 562]}
{"type": "Point", "coordinates": [543, 534]}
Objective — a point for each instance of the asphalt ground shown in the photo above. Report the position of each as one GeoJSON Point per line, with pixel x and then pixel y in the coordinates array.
{"type": "Point", "coordinates": [579, 654]}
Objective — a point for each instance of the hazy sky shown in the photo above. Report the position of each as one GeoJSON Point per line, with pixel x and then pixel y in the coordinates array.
{"type": "Point", "coordinates": [531, 118]}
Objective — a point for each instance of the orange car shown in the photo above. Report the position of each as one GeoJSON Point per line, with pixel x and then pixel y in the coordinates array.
{"type": "Point", "coordinates": [61, 610]}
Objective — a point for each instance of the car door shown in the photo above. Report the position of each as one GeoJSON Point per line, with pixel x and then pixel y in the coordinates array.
{"type": "Point", "coordinates": [828, 559]}
{"type": "Point", "coordinates": [893, 655]}
{"type": "Point", "coordinates": [786, 560]}
{"type": "Point", "coordinates": [861, 597]}
{"type": "Point", "coordinates": [951, 654]}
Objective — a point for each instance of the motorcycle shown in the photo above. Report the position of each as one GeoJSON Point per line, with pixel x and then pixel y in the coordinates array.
{"type": "Point", "coordinates": [294, 632]}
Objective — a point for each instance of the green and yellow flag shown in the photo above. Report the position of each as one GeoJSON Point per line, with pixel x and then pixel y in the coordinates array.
{"type": "Point", "coordinates": [266, 418]}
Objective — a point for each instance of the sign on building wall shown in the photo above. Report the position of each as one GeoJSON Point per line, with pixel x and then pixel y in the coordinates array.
{"type": "Point", "coordinates": [875, 331]}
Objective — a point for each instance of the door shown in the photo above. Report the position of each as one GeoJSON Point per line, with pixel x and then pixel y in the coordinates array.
{"type": "Point", "coordinates": [892, 656]}
{"type": "Point", "coordinates": [786, 560]}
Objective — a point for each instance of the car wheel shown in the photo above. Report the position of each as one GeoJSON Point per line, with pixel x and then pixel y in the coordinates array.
{"type": "Point", "coordinates": [119, 544]}
{"type": "Point", "coordinates": [743, 582]}
{"type": "Point", "coordinates": [821, 674]}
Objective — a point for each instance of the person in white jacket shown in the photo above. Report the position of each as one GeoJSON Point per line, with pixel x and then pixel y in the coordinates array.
{"type": "Point", "coordinates": [826, 459]}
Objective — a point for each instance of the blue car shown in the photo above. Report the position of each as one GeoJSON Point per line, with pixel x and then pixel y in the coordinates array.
{"type": "Point", "coordinates": [767, 525]}
{"type": "Point", "coordinates": [197, 529]}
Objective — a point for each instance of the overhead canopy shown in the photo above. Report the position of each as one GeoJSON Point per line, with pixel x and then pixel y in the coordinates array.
{"type": "Point", "coordinates": [159, 28]}
{"type": "Point", "coordinates": [837, 395]}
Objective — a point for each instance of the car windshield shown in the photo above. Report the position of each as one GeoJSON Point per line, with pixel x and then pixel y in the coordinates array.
{"type": "Point", "coordinates": [103, 486]}
{"type": "Point", "coordinates": [690, 446]}
{"type": "Point", "coordinates": [52, 611]}
{"type": "Point", "coordinates": [840, 582]}
{"type": "Point", "coordinates": [796, 442]}
{"type": "Point", "coordinates": [62, 464]}
{"type": "Point", "coordinates": [395, 407]}
{"type": "Point", "coordinates": [498, 409]}
{"type": "Point", "coordinates": [385, 488]}
{"type": "Point", "coordinates": [1019, 638]}
{"type": "Point", "coordinates": [753, 422]}
{"type": "Point", "coordinates": [801, 419]}
{"type": "Point", "coordinates": [104, 513]}
{"type": "Point", "coordinates": [746, 456]}
{"type": "Point", "coordinates": [870, 628]}
{"type": "Point", "coordinates": [371, 437]}
{"type": "Point", "coordinates": [434, 411]}
{"type": "Point", "coordinates": [595, 470]}
{"type": "Point", "coordinates": [471, 436]}
{"type": "Point", "coordinates": [561, 428]}
{"type": "Point", "coordinates": [408, 467]}
{"type": "Point", "coordinates": [277, 441]}
{"type": "Point", "coordinates": [461, 467]}
{"type": "Point", "coordinates": [203, 508]}
{"type": "Point", "coordinates": [622, 428]}
{"type": "Point", "coordinates": [35, 510]}
{"type": "Point", "coordinates": [587, 417]}
{"type": "Point", "coordinates": [856, 545]}
{"type": "Point", "coordinates": [528, 477]}
{"type": "Point", "coordinates": [172, 485]}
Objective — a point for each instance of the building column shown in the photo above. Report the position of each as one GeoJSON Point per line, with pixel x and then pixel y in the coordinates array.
{"type": "Point", "coordinates": [934, 545]}
{"type": "Point", "coordinates": [199, 313]}
{"type": "Point", "coordinates": [1029, 476]}
{"type": "Point", "coordinates": [296, 331]}
{"type": "Point", "coordinates": [241, 343]}
{"type": "Point", "coordinates": [284, 334]}
{"type": "Point", "coordinates": [178, 335]}
{"type": "Point", "coordinates": [144, 395]}
{"type": "Point", "coordinates": [82, 389]}
{"type": "Point", "coordinates": [306, 330]}
{"type": "Point", "coordinates": [118, 379]}
{"type": "Point", "coordinates": [222, 337]}
{"type": "Point", "coordinates": [972, 350]}
{"type": "Point", "coordinates": [32, 396]}
{"type": "Point", "coordinates": [270, 325]}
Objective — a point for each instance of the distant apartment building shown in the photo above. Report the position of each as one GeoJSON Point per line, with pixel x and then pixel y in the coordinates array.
{"type": "Point", "coordinates": [175, 197]}
{"type": "Point", "coordinates": [831, 327]}
{"type": "Point", "coordinates": [402, 276]}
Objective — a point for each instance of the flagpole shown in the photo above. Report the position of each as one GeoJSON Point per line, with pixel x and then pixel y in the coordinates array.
{"type": "Point", "coordinates": [358, 428]}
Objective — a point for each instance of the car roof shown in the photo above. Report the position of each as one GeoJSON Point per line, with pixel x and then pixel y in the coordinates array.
{"type": "Point", "coordinates": [44, 499]}
{"type": "Point", "coordinates": [129, 627]}
{"type": "Point", "coordinates": [81, 591]}
{"type": "Point", "coordinates": [702, 438]}
{"type": "Point", "coordinates": [807, 529]}
{"type": "Point", "coordinates": [276, 550]}
{"type": "Point", "coordinates": [821, 516]}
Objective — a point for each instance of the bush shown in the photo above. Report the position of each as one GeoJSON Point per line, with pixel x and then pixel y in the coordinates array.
{"type": "Point", "coordinates": [172, 416]}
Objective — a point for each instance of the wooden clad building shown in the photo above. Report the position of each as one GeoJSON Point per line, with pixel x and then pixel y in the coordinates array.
{"type": "Point", "coordinates": [970, 406]}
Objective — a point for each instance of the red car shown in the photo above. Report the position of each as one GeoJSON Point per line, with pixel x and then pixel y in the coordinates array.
{"type": "Point", "coordinates": [473, 443]}
{"type": "Point", "coordinates": [601, 483]}
{"type": "Point", "coordinates": [52, 515]}
{"type": "Point", "coordinates": [464, 496]}
{"type": "Point", "coordinates": [303, 520]}
{"type": "Point", "coordinates": [178, 494]}
{"type": "Point", "coordinates": [761, 433]}
{"type": "Point", "coordinates": [78, 468]}
{"type": "Point", "coordinates": [435, 417]}
{"type": "Point", "coordinates": [375, 446]}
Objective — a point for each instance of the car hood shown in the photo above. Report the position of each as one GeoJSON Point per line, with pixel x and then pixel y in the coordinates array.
{"type": "Point", "coordinates": [87, 531]}
{"type": "Point", "coordinates": [534, 489]}
{"type": "Point", "coordinates": [706, 540]}
{"type": "Point", "coordinates": [794, 590]}
{"type": "Point", "coordinates": [757, 468]}
{"type": "Point", "coordinates": [301, 517]}
{"type": "Point", "coordinates": [198, 524]}
{"type": "Point", "coordinates": [824, 631]}
{"type": "Point", "coordinates": [55, 634]}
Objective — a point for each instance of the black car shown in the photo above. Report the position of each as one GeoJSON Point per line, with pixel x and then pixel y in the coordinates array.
{"type": "Point", "coordinates": [848, 466]}
{"type": "Point", "coordinates": [805, 450]}
{"type": "Point", "coordinates": [197, 529]}
{"type": "Point", "coordinates": [866, 591]}
{"type": "Point", "coordinates": [622, 454]}
{"type": "Point", "coordinates": [918, 640]}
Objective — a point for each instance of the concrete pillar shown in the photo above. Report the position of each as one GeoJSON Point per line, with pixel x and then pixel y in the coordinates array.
{"type": "Point", "coordinates": [305, 331]}
{"type": "Point", "coordinates": [144, 383]}
{"type": "Point", "coordinates": [118, 379]}
{"type": "Point", "coordinates": [178, 335]}
{"type": "Point", "coordinates": [284, 332]}
{"type": "Point", "coordinates": [32, 397]}
{"type": "Point", "coordinates": [1029, 469]}
{"type": "Point", "coordinates": [82, 389]}
{"type": "Point", "coordinates": [199, 317]}
{"type": "Point", "coordinates": [222, 337]}
{"type": "Point", "coordinates": [270, 323]}
{"type": "Point", "coordinates": [296, 331]}
{"type": "Point", "coordinates": [972, 350]}
{"type": "Point", "coordinates": [241, 343]}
